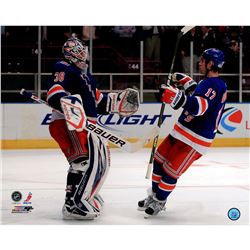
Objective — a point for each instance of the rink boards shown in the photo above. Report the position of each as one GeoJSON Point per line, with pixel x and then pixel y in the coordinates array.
{"type": "Point", "coordinates": [26, 125]}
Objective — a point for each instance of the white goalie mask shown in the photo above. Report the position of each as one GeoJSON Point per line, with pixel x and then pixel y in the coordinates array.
{"type": "Point", "coordinates": [76, 52]}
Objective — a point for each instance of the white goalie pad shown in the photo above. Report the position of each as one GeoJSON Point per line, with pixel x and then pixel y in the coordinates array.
{"type": "Point", "coordinates": [99, 164]}
{"type": "Point", "coordinates": [74, 113]}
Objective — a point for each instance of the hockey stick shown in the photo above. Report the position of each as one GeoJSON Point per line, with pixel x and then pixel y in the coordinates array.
{"type": "Point", "coordinates": [183, 31]}
{"type": "Point", "coordinates": [102, 132]}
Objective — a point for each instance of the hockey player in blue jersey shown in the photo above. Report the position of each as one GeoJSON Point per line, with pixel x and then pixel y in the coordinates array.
{"type": "Point", "coordinates": [87, 154]}
{"type": "Point", "coordinates": [194, 131]}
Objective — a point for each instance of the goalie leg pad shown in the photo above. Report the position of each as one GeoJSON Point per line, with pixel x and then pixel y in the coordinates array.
{"type": "Point", "coordinates": [85, 180]}
{"type": "Point", "coordinates": [99, 160]}
{"type": "Point", "coordinates": [75, 207]}
{"type": "Point", "coordinates": [97, 202]}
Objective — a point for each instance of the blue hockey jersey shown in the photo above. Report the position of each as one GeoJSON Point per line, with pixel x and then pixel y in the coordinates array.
{"type": "Point", "coordinates": [69, 80]}
{"type": "Point", "coordinates": [198, 123]}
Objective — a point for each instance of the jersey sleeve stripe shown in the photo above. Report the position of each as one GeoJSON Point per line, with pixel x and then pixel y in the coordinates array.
{"type": "Point", "coordinates": [203, 105]}
{"type": "Point", "coordinates": [55, 90]}
{"type": "Point", "coordinates": [99, 96]}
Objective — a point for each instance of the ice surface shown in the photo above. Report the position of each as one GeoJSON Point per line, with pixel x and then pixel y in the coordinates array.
{"type": "Point", "coordinates": [215, 183]}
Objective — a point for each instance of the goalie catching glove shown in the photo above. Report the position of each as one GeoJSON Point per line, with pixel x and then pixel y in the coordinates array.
{"type": "Point", "coordinates": [183, 81]}
{"type": "Point", "coordinates": [175, 97]}
{"type": "Point", "coordinates": [125, 103]}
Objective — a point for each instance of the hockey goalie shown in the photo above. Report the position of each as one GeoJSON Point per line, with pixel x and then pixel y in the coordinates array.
{"type": "Point", "coordinates": [73, 92]}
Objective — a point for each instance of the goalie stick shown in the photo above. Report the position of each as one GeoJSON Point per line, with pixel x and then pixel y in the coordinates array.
{"type": "Point", "coordinates": [102, 132]}
{"type": "Point", "coordinates": [183, 31]}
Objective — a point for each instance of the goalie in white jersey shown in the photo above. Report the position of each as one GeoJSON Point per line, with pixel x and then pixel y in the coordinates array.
{"type": "Point", "coordinates": [73, 92]}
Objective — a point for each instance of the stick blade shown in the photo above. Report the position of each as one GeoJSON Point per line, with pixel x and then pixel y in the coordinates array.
{"type": "Point", "coordinates": [144, 140]}
{"type": "Point", "coordinates": [185, 29]}
{"type": "Point", "coordinates": [149, 171]}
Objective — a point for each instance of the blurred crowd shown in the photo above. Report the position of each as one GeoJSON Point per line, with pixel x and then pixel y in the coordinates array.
{"type": "Point", "coordinates": [119, 45]}
{"type": "Point", "coordinates": [117, 49]}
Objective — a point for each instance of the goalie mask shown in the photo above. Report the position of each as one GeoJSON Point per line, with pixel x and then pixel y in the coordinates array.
{"type": "Point", "coordinates": [76, 52]}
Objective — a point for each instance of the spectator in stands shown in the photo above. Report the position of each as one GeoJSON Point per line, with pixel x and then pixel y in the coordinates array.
{"type": "Point", "coordinates": [232, 57]}
{"type": "Point", "coordinates": [152, 36]}
{"type": "Point", "coordinates": [88, 32]}
{"type": "Point", "coordinates": [222, 39]}
{"type": "Point", "coordinates": [234, 33]}
{"type": "Point", "coordinates": [56, 35]}
{"type": "Point", "coordinates": [232, 64]}
{"type": "Point", "coordinates": [246, 48]}
{"type": "Point", "coordinates": [124, 38]}
{"type": "Point", "coordinates": [208, 39]}
{"type": "Point", "coordinates": [168, 42]}
{"type": "Point", "coordinates": [191, 36]}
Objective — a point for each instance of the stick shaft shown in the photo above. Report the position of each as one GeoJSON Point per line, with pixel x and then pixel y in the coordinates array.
{"type": "Point", "coordinates": [183, 31]}
{"type": "Point", "coordinates": [93, 128]}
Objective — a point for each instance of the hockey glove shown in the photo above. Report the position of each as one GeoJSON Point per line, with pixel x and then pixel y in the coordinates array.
{"type": "Point", "coordinates": [125, 103]}
{"type": "Point", "coordinates": [184, 82]}
{"type": "Point", "coordinates": [175, 97]}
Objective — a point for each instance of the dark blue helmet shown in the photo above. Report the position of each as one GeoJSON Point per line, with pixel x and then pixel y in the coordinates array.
{"type": "Point", "coordinates": [214, 55]}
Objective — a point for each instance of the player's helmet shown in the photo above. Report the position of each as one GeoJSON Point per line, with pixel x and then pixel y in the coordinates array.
{"type": "Point", "coordinates": [76, 52]}
{"type": "Point", "coordinates": [216, 56]}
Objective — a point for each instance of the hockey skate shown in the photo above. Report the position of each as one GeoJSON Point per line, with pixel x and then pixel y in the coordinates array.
{"type": "Point", "coordinates": [77, 208]}
{"type": "Point", "coordinates": [154, 207]}
{"type": "Point", "coordinates": [143, 204]}
{"type": "Point", "coordinates": [76, 213]}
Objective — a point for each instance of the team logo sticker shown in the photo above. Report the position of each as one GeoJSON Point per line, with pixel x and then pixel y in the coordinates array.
{"type": "Point", "coordinates": [21, 207]}
{"type": "Point", "coordinates": [28, 199]}
{"type": "Point", "coordinates": [230, 119]}
{"type": "Point", "coordinates": [16, 196]}
{"type": "Point", "coordinates": [233, 214]}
